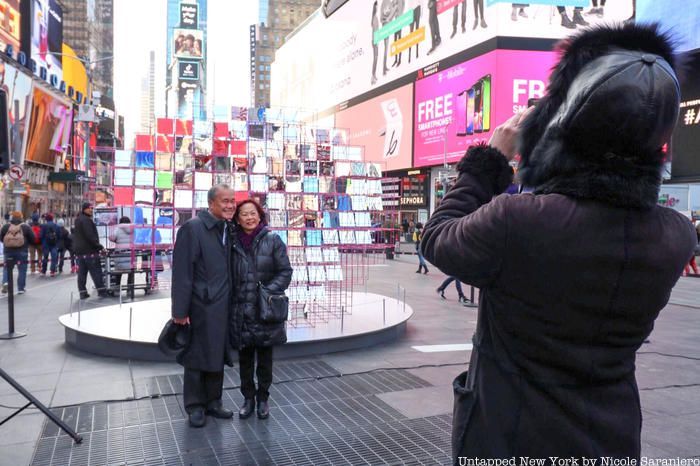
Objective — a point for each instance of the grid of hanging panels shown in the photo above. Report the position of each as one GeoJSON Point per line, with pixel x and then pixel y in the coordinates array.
{"type": "Point", "coordinates": [321, 198]}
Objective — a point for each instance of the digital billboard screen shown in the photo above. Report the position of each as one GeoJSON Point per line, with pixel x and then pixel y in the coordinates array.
{"type": "Point", "coordinates": [188, 70]}
{"type": "Point", "coordinates": [10, 25]}
{"type": "Point", "coordinates": [49, 127]}
{"type": "Point", "coordinates": [463, 104]}
{"type": "Point", "coordinates": [367, 44]}
{"type": "Point", "coordinates": [46, 37]}
{"type": "Point", "coordinates": [18, 87]}
{"type": "Point", "coordinates": [383, 126]}
{"type": "Point", "coordinates": [189, 43]}
{"type": "Point", "coordinates": [685, 145]}
{"type": "Point", "coordinates": [189, 15]}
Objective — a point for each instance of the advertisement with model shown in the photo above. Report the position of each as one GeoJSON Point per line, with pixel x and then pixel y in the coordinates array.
{"type": "Point", "coordinates": [46, 36]}
{"type": "Point", "coordinates": [382, 126]}
{"type": "Point", "coordinates": [18, 87]}
{"type": "Point", "coordinates": [366, 44]}
{"type": "Point", "coordinates": [460, 106]}
{"type": "Point", "coordinates": [49, 126]}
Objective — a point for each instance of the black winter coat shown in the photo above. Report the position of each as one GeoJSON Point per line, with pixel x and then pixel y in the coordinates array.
{"type": "Point", "coordinates": [266, 263]}
{"type": "Point", "coordinates": [85, 237]}
{"type": "Point", "coordinates": [570, 288]}
{"type": "Point", "coordinates": [201, 289]}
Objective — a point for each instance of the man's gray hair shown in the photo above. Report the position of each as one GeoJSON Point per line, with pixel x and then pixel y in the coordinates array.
{"type": "Point", "coordinates": [211, 195]}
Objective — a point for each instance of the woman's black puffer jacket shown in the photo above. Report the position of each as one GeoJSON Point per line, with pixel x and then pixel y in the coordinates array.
{"type": "Point", "coordinates": [268, 263]}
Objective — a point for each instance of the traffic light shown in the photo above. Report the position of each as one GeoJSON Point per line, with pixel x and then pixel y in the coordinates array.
{"type": "Point", "coordinates": [5, 154]}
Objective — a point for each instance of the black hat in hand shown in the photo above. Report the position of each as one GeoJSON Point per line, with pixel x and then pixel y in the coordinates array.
{"type": "Point", "coordinates": [173, 338]}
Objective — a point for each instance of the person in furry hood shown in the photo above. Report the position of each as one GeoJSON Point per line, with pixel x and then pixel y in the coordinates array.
{"type": "Point", "coordinates": [573, 274]}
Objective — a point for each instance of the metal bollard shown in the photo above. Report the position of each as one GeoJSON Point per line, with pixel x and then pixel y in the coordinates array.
{"type": "Point", "coordinates": [342, 318]}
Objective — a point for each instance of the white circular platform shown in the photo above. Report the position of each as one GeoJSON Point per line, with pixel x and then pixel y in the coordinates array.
{"type": "Point", "coordinates": [131, 330]}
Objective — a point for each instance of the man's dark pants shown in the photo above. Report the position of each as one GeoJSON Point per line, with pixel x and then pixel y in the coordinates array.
{"type": "Point", "coordinates": [91, 265]}
{"type": "Point", "coordinates": [202, 389]}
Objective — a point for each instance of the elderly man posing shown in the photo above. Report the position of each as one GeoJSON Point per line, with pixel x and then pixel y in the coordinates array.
{"type": "Point", "coordinates": [201, 294]}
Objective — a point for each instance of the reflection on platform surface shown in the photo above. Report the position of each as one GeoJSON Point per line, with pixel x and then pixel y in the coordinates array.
{"type": "Point", "coordinates": [131, 329]}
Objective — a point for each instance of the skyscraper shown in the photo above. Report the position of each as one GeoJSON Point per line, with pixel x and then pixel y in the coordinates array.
{"type": "Point", "coordinates": [88, 27]}
{"type": "Point", "coordinates": [148, 91]}
{"type": "Point", "coordinates": [276, 19]}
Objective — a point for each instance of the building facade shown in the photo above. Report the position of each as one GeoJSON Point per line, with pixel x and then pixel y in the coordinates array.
{"type": "Point", "coordinates": [88, 27]}
{"type": "Point", "coordinates": [276, 20]}
{"type": "Point", "coordinates": [148, 91]}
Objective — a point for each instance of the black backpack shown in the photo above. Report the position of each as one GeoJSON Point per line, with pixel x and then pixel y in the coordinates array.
{"type": "Point", "coordinates": [51, 236]}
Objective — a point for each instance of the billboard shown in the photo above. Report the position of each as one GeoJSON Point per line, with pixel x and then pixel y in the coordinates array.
{"type": "Point", "coordinates": [675, 17]}
{"type": "Point", "coordinates": [685, 143]}
{"type": "Point", "coordinates": [383, 126]}
{"type": "Point", "coordinates": [367, 44]}
{"type": "Point", "coordinates": [10, 25]}
{"type": "Point", "coordinates": [460, 106]}
{"type": "Point", "coordinates": [188, 70]}
{"type": "Point", "coordinates": [18, 87]}
{"type": "Point", "coordinates": [49, 127]}
{"type": "Point", "coordinates": [189, 14]}
{"type": "Point", "coordinates": [46, 36]}
{"type": "Point", "coordinates": [188, 43]}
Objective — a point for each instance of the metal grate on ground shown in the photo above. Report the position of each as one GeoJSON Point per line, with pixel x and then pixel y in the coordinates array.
{"type": "Point", "coordinates": [334, 420]}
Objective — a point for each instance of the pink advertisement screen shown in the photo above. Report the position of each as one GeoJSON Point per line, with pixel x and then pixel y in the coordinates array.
{"type": "Point", "coordinates": [463, 104]}
{"type": "Point", "coordinates": [381, 125]}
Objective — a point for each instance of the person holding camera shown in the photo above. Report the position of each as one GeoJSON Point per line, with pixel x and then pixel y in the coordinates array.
{"type": "Point", "coordinates": [573, 274]}
{"type": "Point", "coordinates": [260, 267]}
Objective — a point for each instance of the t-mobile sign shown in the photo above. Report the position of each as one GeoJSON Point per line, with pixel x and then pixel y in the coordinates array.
{"type": "Point", "coordinates": [460, 106]}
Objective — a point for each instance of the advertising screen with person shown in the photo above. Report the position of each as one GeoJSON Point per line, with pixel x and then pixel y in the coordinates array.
{"type": "Point", "coordinates": [47, 124]}
{"type": "Point", "coordinates": [189, 43]}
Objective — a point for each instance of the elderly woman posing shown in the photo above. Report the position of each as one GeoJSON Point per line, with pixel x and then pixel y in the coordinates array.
{"type": "Point", "coordinates": [259, 260]}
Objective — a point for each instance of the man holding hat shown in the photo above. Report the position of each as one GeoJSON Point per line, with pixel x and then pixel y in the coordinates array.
{"type": "Point", "coordinates": [87, 247]}
{"type": "Point", "coordinates": [201, 298]}
{"type": "Point", "coordinates": [16, 238]}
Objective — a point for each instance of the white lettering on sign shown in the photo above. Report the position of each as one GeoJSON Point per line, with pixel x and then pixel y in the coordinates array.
{"type": "Point", "coordinates": [534, 88]}
{"type": "Point", "coordinates": [439, 107]}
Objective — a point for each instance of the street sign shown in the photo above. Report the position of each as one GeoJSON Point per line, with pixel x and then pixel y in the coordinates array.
{"type": "Point", "coordinates": [16, 172]}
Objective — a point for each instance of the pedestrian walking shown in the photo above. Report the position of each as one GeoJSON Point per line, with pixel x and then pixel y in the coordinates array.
{"type": "Point", "coordinates": [417, 237]}
{"type": "Point", "coordinates": [259, 261]}
{"type": "Point", "coordinates": [16, 238]}
{"type": "Point", "coordinates": [35, 254]}
{"type": "Point", "coordinates": [441, 289]}
{"type": "Point", "coordinates": [87, 248]}
{"type": "Point", "coordinates": [201, 298]}
{"type": "Point", "coordinates": [50, 236]}
{"type": "Point", "coordinates": [573, 274]}
{"type": "Point", "coordinates": [64, 244]}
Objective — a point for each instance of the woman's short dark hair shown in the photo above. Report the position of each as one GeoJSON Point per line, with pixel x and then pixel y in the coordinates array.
{"type": "Point", "coordinates": [258, 207]}
{"type": "Point", "coordinates": [125, 219]}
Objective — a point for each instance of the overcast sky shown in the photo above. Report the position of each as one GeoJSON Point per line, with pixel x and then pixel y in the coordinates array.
{"type": "Point", "coordinates": [140, 26]}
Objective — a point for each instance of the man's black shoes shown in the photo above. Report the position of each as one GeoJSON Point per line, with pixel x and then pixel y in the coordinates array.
{"type": "Point", "coordinates": [247, 408]}
{"type": "Point", "coordinates": [220, 412]}
{"type": "Point", "coordinates": [263, 409]}
{"type": "Point", "coordinates": [197, 417]}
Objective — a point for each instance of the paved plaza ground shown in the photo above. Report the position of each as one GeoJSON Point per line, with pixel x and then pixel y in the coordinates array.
{"type": "Point", "coordinates": [389, 404]}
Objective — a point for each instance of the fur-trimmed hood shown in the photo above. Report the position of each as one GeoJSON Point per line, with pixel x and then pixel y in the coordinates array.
{"type": "Point", "coordinates": [611, 105]}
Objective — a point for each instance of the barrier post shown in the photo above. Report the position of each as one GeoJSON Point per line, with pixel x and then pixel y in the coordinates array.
{"type": "Point", "coordinates": [11, 334]}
